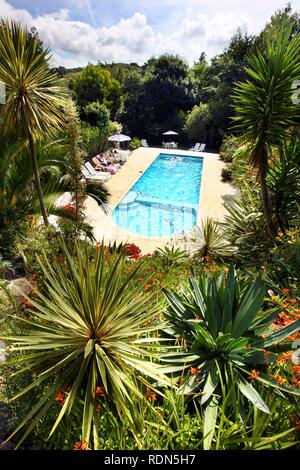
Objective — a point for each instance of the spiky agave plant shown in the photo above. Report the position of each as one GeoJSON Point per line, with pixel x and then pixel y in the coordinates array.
{"type": "Point", "coordinates": [89, 329]}
{"type": "Point", "coordinates": [208, 241]}
{"type": "Point", "coordinates": [225, 336]}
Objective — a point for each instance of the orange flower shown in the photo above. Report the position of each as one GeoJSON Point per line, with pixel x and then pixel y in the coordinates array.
{"type": "Point", "coordinates": [295, 381]}
{"type": "Point", "coordinates": [147, 286]}
{"type": "Point", "coordinates": [292, 301]}
{"type": "Point", "coordinates": [225, 270]}
{"type": "Point", "coordinates": [280, 380]}
{"type": "Point", "coordinates": [296, 369]}
{"type": "Point", "coordinates": [194, 371]}
{"type": "Point", "coordinates": [284, 357]}
{"type": "Point", "coordinates": [285, 291]}
{"type": "Point", "coordinates": [60, 396]}
{"type": "Point", "coordinates": [254, 374]}
{"type": "Point", "coordinates": [81, 445]}
{"type": "Point", "coordinates": [150, 395]}
{"type": "Point", "coordinates": [100, 392]}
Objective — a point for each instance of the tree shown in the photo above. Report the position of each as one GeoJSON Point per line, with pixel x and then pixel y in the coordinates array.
{"type": "Point", "coordinates": [32, 97]}
{"type": "Point", "coordinates": [97, 114]}
{"type": "Point", "coordinates": [282, 20]}
{"type": "Point", "coordinates": [264, 107]}
{"type": "Point", "coordinates": [94, 84]}
{"type": "Point", "coordinates": [197, 123]}
{"type": "Point", "coordinates": [75, 158]}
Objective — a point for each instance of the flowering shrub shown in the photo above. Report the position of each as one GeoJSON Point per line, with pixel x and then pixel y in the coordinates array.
{"type": "Point", "coordinates": [69, 208]}
{"type": "Point", "coordinates": [132, 251]}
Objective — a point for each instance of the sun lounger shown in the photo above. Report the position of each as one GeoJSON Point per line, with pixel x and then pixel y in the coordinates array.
{"type": "Point", "coordinates": [202, 148]}
{"type": "Point", "coordinates": [144, 143]}
{"type": "Point", "coordinates": [95, 177]}
{"type": "Point", "coordinates": [95, 171]}
{"type": "Point", "coordinates": [104, 165]}
{"type": "Point", "coordinates": [195, 148]}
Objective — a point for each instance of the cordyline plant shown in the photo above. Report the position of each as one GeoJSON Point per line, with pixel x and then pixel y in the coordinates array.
{"type": "Point", "coordinates": [226, 339]}
{"type": "Point", "coordinates": [88, 331]}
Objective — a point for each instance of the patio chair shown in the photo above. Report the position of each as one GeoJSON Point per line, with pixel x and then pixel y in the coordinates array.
{"type": "Point", "coordinates": [202, 148]}
{"type": "Point", "coordinates": [94, 171]}
{"type": "Point", "coordinates": [95, 177]}
{"type": "Point", "coordinates": [195, 148]}
{"type": "Point", "coordinates": [144, 143]}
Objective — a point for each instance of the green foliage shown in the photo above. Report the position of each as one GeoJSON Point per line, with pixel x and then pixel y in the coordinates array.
{"type": "Point", "coordinates": [94, 84]}
{"type": "Point", "coordinates": [284, 182]}
{"type": "Point", "coordinates": [226, 174]}
{"type": "Point", "coordinates": [170, 256]}
{"type": "Point", "coordinates": [245, 228]}
{"type": "Point", "coordinates": [228, 149]}
{"type": "Point", "coordinates": [268, 78]}
{"type": "Point", "coordinates": [87, 333]}
{"type": "Point", "coordinates": [135, 143]}
{"type": "Point", "coordinates": [95, 139]}
{"type": "Point", "coordinates": [198, 123]}
{"type": "Point", "coordinates": [75, 159]}
{"type": "Point", "coordinates": [32, 97]}
{"type": "Point", "coordinates": [208, 241]}
{"type": "Point", "coordinates": [156, 98]}
{"type": "Point", "coordinates": [283, 263]}
{"type": "Point", "coordinates": [97, 115]}
{"type": "Point", "coordinates": [226, 335]}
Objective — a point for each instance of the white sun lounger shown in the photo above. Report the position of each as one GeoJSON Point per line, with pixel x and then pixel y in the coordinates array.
{"type": "Point", "coordinates": [144, 143]}
{"type": "Point", "coordinates": [97, 177]}
{"type": "Point", "coordinates": [195, 148]}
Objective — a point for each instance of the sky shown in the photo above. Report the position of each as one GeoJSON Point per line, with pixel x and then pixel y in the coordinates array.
{"type": "Point", "coordinates": [82, 31]}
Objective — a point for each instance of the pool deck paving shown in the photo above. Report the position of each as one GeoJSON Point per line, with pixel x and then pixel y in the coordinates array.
{"type": "Point", "coordinates": [213, 194]}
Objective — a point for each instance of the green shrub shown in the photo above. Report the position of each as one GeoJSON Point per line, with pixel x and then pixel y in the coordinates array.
{"type": "Point", "coordinates": [227, 342]}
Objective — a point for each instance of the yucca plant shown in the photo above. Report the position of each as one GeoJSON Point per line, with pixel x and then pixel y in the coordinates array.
{"type": "Point", "coordinates": [208, 241]}
{"type": "Point", "coordinates": [33, 99]}
{"type": "Point", "coordinates": [244, 228]}
{"type": "Point", "coordinates": [226, 338]}
{"type": "Point", "coordinates": [90, 330]}
{"type": "Point", "coordinates": [284, 182]}
{"type": "Point", "coordinates": [264, 107]}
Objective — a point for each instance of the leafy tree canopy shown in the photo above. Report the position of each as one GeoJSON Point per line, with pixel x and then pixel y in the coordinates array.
{"type": "Point", "coordinates": [94, 84]}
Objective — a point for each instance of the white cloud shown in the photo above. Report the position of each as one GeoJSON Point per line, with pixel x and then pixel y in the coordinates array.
{"type": "Point", "coordinates": [131, 39]}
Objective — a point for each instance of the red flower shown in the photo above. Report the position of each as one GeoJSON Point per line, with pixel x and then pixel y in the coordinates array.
{"type": "Point", "coordinates": [81, 445]}
{"type": "Point", "coordinates": [147, 286]}
{"type": "Point", "coordinates": [254, 374]}
{"type": "Point", "coordinates": [296, 369]}
{"type": "Point", "coordinates": [292, 301]}
{"type": "Point", "coordinates": [194, 371]}
{"type": "Point", "coordinates": [132, 250]}
{"type": "Point", "coordinates": [150, 395]}
{"type": "Point", "coordinates": [60, 396]}
{"type": "Point", "coordinates": [285, 291]}
{"type": "Point", "coordinates": [100, 392]}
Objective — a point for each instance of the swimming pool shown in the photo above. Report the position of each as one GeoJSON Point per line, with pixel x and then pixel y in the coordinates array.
{"type": "Point", "coordinates": [164, 200]}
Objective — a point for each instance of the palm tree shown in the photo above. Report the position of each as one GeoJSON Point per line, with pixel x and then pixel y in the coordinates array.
{"type": "Point", "coordinates": [264, 107]}
{"type": "Point", "coordinates": [32, 107]}
{"type": "Point", "coordinates": [19, 201]}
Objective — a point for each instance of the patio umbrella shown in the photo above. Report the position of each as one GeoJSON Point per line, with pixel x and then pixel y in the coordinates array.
{"type": "Point", "coordinates": [170, 133]}
{"type": "Point", "coordinates": [119, 138]}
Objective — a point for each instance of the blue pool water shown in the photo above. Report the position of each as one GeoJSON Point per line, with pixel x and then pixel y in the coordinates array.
{"type": "Point", "coordinates": [163, 202]}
